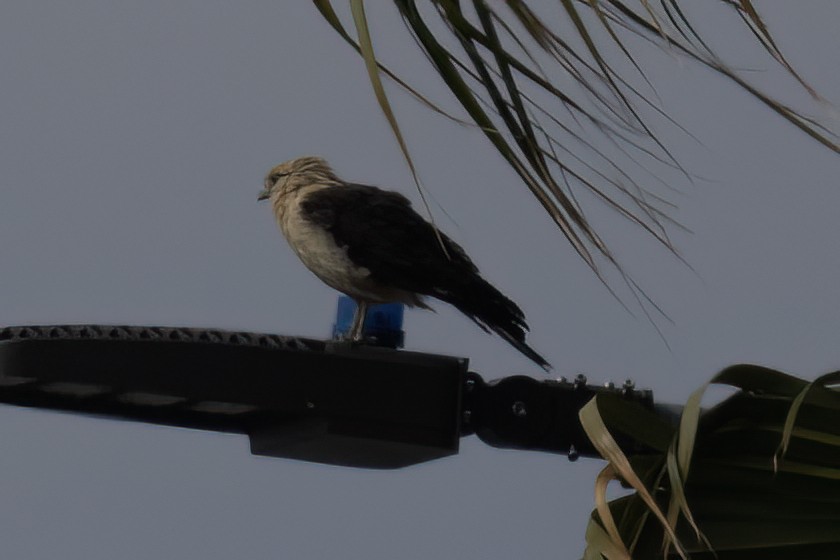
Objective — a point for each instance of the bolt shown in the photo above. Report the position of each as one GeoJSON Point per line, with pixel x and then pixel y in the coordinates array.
{"type": "Point", "coordinates": [519, 409]}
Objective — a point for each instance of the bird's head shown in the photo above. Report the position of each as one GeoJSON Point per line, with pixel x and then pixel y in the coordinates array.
{"type": "Point", "coordinates": [296, 173]}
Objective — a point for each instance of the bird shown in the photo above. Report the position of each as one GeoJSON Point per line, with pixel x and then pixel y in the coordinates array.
{"type": "Point", "coordinates": [370, 244]}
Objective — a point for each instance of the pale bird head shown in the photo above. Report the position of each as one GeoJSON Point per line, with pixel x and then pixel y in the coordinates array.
{"type": "Point", "coordinates": [296, 173]}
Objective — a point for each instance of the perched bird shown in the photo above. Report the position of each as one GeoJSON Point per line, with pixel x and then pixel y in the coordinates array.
{"type": "Point", "coordinates": [372, 245]}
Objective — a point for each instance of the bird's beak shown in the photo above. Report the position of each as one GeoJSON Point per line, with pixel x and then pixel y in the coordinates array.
{"type": "Point", "coordinates": [264, 194]}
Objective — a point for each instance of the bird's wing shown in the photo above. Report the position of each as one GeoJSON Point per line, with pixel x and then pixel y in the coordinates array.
{"type": "Point", "coordinates": [382, 232]}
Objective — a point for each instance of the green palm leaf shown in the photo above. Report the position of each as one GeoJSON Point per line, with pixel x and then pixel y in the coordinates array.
{"type": "Point", "coordinates": [497, 66]}
{"type": "Point", "coordinates": [757, 476]}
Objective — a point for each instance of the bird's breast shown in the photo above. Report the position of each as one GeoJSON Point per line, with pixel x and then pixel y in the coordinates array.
{"type": "Point", "coordinates": [317, 249]}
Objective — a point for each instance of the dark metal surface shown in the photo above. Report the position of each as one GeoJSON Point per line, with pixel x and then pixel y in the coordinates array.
{"type": "Point", "coordinates": [521, 412]}
{"type": "Point", "coordinates": [328, 402]}
{"type": "Point", "coordinates": [298, 398]}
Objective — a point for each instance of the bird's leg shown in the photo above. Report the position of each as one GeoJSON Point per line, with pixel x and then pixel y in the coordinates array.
{"type": "Point", "coordinates": [357, 329]}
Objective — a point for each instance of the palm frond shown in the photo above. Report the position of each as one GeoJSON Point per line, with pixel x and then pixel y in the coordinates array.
{"type": "Point", "coordinates": [533, 84]}
{"type": "Point", "coordinates": [756, 476]}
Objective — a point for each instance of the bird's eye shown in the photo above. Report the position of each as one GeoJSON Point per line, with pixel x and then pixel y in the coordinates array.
{"type": "Point", "coordinates": [276, 177]}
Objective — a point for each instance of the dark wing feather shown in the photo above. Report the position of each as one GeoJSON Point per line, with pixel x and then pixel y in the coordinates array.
{"type": "Point", "coordinates": [382, 232]}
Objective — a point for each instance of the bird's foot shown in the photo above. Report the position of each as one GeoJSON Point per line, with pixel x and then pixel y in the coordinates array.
{"type": "Point", "coordinates": [345, 343]}
{"type": "Point", "coordinates": [360, 340]}
{"type": "Point", "coordinates": [353, 335]}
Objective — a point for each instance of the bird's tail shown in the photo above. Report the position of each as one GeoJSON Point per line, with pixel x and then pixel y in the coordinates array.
{"type": "Point", "coordinates": [491, 310]}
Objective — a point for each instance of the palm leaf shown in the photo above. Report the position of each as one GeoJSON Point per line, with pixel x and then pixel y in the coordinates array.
{"type": "Point", "coordinates": [757, 476]}
{"type": "Point", "coordinates": [497, 65]}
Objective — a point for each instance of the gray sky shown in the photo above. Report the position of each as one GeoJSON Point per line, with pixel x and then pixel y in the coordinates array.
{"type": "Point", "coordinates": [135, 137]}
